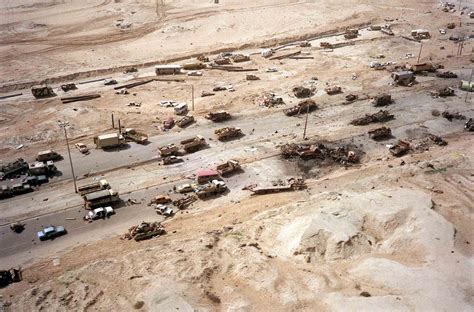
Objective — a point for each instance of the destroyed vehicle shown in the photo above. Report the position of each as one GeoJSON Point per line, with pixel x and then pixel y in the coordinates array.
{"type": "Point", "coordinates": [420, 34]}
{"type": "Point", "coordinates": [48, 155]}
{"type": "Point", "coordinates": [228, 133]}
{"type": "Point", "coordinates": [13, 168]}
{"type": "Point", "coordinates": [351, 33]}
{"type": "Point", "coordinates": [380, 116]}
{"type": "Point", "coordinates": [93, 187]}
{"type": "Point", "coordinates": [164, 210]}
{"type": "Point", "coordinates": [68, 87]}
{"type": "Point", "coordinates": [403, 78]}
{"type": "Point", "coordinates": [400, 149]}
{"type": "Point", "coordinates": [303, 107]}
{"type": "Point", "coordinates": [469, 126]}
{"type": "Point", "coordinates": [302, 92]}
{"type": "Point", "coordinates": [333, 90]}
{"type": "Point", "coordinates": [237, 58]}
{"type": "Point", "coordinates": [228, 167]}
{"type": "Point", "coordinates": [450, 116]}
{"type": "Point", "coordinates": [169, 69]}
{"type": "Point", "coordinates": [270, 100]}
{"type": "Point", "coordinates": [386, 29]}
{"type": "Point", "coordinates": [251, 77]}
{"type": "Point", "coordinates": [351, 98]}
{"type": "Point", "coordinates": [41, 168]}
{"type": "Point", "coordinates": [194, 66]}
{"type": "Point", "coordinates": [17, 227]}
{"type": "Point", "coordinates": [19, 189]}
{"type": "Point", "coordinates": [185, 121]}
{"type": "Point", "coordinates": [326, 45]}
{"type": "Point", "coordinates": [42, 92]}
{"type": "Point", "coordinates": [160, 199]}
{"type": "Point", "coordinates": [82, 148]}
{"type": "Point", "coordinates": [218, 116]}
{"type": "Point", "coordinates": [305, 44]}
{"type": "Point", "coordinates": [380, 133]}
{"type": "Point", "coordinates": [446, 74]}
{"type": "Point", "coordinates": [193, 144]}
{"type": "Point", "coordinates": [383, 99]}
{"type": "Point", "coordinates": [194, 73]}
{"type": "Point", "coordinates": [210, 189]}
{"type": "Point", "coordinates": [10, 276]}
{"type": "Point", "coordinates": [291, 185]}
{"type": "Point", "coordinates": [5, 191]}
{"type": "Point", "coordinates": [168, 150]}
{"type": "Point", "coordinates": [443, 92]}
{"type": "Point", "coordinates": [422, 67]}
{"type": "Point", "coordinates": [145, 230]}
{"type": "Point", "coordinates": [109, 82]}
{"type": "Point", "coordinates": [168, 123]}
{"type": "Point", "coordinates": [169, 160]}
{"type": "Point", "coordinates": [135, 135]}
{"type": "Point", "coordinates": [99, 213]}
{"type": "Point", "coordinates": [184, 202]}
{"type": "Point", "coordinates": [100, 198]}
{"type": "Point", "coordinates": [35, 180]}
{"type": "Point", "coordinates": [51, 232]}
{"type": "Point", "coordinates": [130, 70]}
{"type": "Point", "coordinates": [185, 188]}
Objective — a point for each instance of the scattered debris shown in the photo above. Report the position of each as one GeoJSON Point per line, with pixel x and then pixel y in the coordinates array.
{"type": "Point", "coordinates": [450, 116]}
{"type": "Point", "coordinates": [380, 116]}
{"type": "Point", "coordinates": [122, 92]}
{"type": "Point", "coordinates": [429, 140]}
{"type": "Point", "coordinates": [184, 202]}
{"type": "Point", "coordinates": [380, 133]}
{"type": "Point", "coordinates": [144, 230]}
{"type": "Point", "coordinates": [303, 107]}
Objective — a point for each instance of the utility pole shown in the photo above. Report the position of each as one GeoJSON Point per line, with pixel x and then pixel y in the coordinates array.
{"type": "Point", "coordinates": [64, 125]}
{"type": "Point", "coordinates": [306, 123]}
{"type": "Point", "coordinates": [469, 86]}
{"type": "Point", "coordinates": [192, 95]}
{"type": "Point", "coordinates": [419, 53]}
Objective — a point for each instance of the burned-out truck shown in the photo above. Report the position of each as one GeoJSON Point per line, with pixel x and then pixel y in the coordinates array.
{"type": "Point", "coordinates": [228, 167]}
{"type": "Point", "coordinates": [135, 135]}
{"type": "Point", "coordinates": [100, 198]}
{"type": "Point", "coordinates": [193, 144]}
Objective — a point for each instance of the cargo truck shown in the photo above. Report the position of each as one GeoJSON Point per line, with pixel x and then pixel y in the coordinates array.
{"type": "Point", "coordinates": [135, 135]}
{"type": "Point", "coordinates": [193, 144]}
{"type": "Point", "coordinates": [93, 187]}
{"type": "Point", "coordinates": [209, 189]}
{"type": "Point", "coordinates": [109, 140]}
{"type": "Point", "coordinates": [100, 198]}
{"type": "Point", "coordinates": [168, 150]}
{"type": "Point", "coordinates": [228, 167]}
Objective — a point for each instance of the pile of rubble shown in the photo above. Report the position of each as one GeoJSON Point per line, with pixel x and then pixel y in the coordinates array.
{"type": "Point", "coordinates": [380, 116]}
{"type": "Point", "coordinates": [144, 230]}
{"type": "Point", "coordinates": [302, 107]}
{"type": "Point", "coordinates": [340, 154]}
{"type": "Point", "coordinates": [430, 140]}
{"type": "Point", "coordinates": [270, 100]}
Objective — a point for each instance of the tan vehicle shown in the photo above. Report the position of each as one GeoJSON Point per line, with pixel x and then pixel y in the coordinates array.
{"type": "Point", "coordinates": [47, 155]}
{"type": "Point", "coordinates": [109, 140]}
{"type": "Point", "coordinates": [185, 121]}
{"type": "Point", "coordinates": [135, 135]}
{"type": "Point", "coordinates": [228, 167]}
{"type": "Point", "coordinates": [160, 199]}
{"type": "Point", "coordinates": [168, 150]}
{"type": "Point", "coordinates": [227, 133]}
{"type": "Point", "coordinates": [193, 144]}
{"type": "Point", "coordinates": [218, 116]}
{"type": "Point", "coordinates": [93, 187]}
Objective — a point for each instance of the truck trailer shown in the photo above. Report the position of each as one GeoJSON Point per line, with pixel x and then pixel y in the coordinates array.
{"type": "Point", "coordinates": [100, 198]}
{"type": "Point", "coordinates": [93, 187]}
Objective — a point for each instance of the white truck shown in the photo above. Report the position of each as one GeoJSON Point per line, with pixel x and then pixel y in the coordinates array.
{"type": "Point", "coordinates": [93, 187]}
{"type": "Point", "coordinates": [211, 188]}
{"type": "Point", "coordinates": [99, 213]}
{"type": "Point", "coordinates": [109, 140]}
{"type": "Point", "coordinates": [181, 109]}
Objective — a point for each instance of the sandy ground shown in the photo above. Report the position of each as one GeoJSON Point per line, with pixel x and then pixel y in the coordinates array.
{"type": "Point", "coordinates": [388, 234]}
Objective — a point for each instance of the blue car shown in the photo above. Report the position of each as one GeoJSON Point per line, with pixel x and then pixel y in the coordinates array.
{"type": "Point", "coordinates": [51, 232]}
